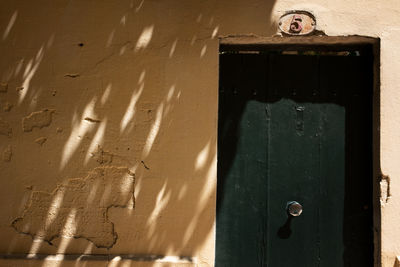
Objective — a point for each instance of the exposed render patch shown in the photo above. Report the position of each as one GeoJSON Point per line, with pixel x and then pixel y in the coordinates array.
{"type": "Point", "coordinates": [3, 87]}
{"type": "Point", "coordinates": [38, 119]}
{"type": "Point", "coordinates": [7, 154]}
{"type": "Point", "coordinates": [385, 189]}
{"type": "Point", "coordinates": [41, 140]}
{"type": "Point", "coordinates": [7, 107]}
{"type": "Point", "coordinates": [79, 208]}
{"type": "Point", "coordinates": [5, 128]}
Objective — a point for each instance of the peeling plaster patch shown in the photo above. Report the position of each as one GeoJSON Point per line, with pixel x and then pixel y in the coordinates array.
{"type": "Point", "coordinates": [7, 154]}
{"type": "Point", "coordinates": [3, 87]}
{"type": "Point", "coordinates": [103, 157]}
{"type": "Point", "coordinates": [385, 189]}
{"type": "Point", "coordinates": [5, 128]}
{"type": "Point", "coordinates": [38, 119]}
{"type": "Point", "coordinates": [72, 75]}
{"type": "Point", "coordinates": [41, 140]}
{"type": "Point", "coordinates": [91, 222]}
{"type": "Point", "coordinates": [7, 107]}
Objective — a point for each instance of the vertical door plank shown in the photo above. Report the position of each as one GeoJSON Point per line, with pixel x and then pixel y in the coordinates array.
{"type": "Point", "coordinates": [241, 217]}
{"type": "Point", "coordinates": [293, 176]}
{"type": "Point", "coordinates": [332, 179]}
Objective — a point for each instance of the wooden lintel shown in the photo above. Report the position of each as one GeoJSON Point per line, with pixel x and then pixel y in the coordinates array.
{"type": "Point", "coordinates": [254, 42]}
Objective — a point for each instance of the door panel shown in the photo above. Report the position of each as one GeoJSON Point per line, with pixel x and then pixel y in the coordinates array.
{"type": "Point", "coordinates": [294, 137]}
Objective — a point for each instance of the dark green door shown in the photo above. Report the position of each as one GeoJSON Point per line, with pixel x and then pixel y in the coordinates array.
{"type": "Point", "coordinates": [295, 128]}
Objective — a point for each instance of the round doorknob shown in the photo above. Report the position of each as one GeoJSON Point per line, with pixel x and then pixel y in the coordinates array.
{"type": "Point", "coordinates": [294, 208]}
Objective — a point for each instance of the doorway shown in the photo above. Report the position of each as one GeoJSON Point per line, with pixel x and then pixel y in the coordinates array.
{"type": "Point", "coordinates": [295, 156]}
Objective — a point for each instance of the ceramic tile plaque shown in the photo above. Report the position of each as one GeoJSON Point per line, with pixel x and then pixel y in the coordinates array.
{"type": "Point", "coordinates": [297, 22]}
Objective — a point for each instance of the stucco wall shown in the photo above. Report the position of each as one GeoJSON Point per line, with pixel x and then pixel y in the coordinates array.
{"type": "Point", "coordinates": [124, 93]}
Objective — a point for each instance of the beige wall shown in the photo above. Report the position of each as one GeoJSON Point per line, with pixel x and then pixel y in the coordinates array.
{"type": "Point", "coordinates": [125, 93]}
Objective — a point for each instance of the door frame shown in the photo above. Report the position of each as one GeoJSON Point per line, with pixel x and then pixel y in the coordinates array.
{"type": "Point", "coordinates": [251, 43]}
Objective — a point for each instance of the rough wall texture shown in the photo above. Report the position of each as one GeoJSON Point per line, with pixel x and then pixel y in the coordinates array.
{"type": "Point", "coordinates": [130, 87]}
{"type": "Point", "coordinates": [79, 208]}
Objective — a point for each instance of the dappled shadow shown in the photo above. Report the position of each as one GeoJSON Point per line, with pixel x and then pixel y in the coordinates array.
{"type": "Point", "coordinates": [121, 154]}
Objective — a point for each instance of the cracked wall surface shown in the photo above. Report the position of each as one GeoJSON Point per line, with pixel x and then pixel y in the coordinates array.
{"type": "Point", "coordinates": [79, 208]}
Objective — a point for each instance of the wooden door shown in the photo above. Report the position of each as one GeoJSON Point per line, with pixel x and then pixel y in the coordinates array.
{"type": "Point", "coordinates": [298, 128]}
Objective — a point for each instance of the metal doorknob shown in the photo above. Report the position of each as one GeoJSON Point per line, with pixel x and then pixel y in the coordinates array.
{"type": "Point", "coordinates": [294, 208]}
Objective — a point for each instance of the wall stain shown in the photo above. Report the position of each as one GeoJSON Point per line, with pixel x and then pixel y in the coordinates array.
{"type": "Point", "coordinates": [85, 202]}
{"type": "Point", "coordinates": [5, 128]}
{"type": "Point", "coordinates": [7, 154]}
{"type": "Point", "coordinates": [37, 119]}
{"type": "Point", "coordinates": [7, 107]}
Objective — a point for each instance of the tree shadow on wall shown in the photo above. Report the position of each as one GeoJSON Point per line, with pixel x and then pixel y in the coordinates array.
{"type": "Point", "coordinates": [109, 125]}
